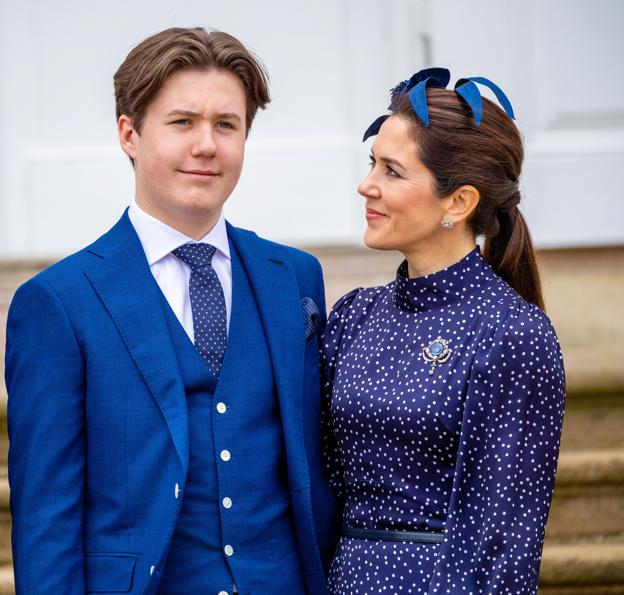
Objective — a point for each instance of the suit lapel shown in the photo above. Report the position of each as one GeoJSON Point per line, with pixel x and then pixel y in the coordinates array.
{"type": "Point", "coordinates": [276, 293]}
{"type": "Point", "coordinates": [123, 281]}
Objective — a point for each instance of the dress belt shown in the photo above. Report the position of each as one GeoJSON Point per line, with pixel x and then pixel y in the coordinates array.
{"type": "Point", "coordinates": [383, 535]}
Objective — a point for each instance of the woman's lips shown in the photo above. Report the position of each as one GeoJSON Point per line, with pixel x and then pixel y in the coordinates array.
{"type": "Point", "coordinates": [372, 214]}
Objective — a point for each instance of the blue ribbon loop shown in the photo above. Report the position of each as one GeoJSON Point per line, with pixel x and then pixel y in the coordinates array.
{"type": "Point", "coordinates": [470, 94]}
{"type": "Point", "coordinates": [373, 129]}
{"type": "Point", "coordinates": [502, 98]}
{"type": "Point", "coordinates": [416, 88]}
{"type": "Point", "coordinates": [418, 98]}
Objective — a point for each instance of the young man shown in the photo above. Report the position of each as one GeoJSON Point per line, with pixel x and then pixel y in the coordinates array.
{"type": "Point", "coordinates": [163, 382]}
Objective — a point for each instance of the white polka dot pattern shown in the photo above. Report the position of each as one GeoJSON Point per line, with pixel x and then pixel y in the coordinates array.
{"type": "Point", "coordinates": [470, 450]}
{"type": "Point", "coordinates": [207, 303]}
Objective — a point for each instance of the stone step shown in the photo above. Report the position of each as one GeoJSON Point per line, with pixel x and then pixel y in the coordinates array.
{"type": "Point", "coordinates": [4, 437]}
{"type": "Point", "coordinates": [5, 522]}
{"type": "Point", "coordinates": [583, 568]}
{"type": "Point", "coordinates": [583, 590]}
{"type": "Point", "coordinates": [7, 584]}
{"type": "Point", "coordinates": [589, 495]}
{"type": "Point", "coordinates": [592, 421]}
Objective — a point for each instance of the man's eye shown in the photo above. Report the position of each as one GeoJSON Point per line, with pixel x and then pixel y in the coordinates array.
{"type": "Point", "coordinates": [182, 121]}
{"type": "Point", "coordinates": [224, 125]}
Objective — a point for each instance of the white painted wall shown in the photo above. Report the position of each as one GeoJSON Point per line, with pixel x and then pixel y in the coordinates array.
{"type": "Point", "coordinates": [63, 179]}
{"type": "Point", "coordinates": [560, 62]}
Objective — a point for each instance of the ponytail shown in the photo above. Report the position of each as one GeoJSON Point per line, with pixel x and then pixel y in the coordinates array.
{"type": "Point", "coordinates": [489, 157]}
{"type": "Point", "coordinates": [510, 253]}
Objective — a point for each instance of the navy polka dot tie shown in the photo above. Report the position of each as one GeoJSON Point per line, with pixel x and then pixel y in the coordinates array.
{"type": "Point", "coordinates": [207, 303]}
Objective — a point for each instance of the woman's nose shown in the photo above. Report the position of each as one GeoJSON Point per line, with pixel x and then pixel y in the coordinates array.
{"type": "Point", "coordinates": [367, 188]}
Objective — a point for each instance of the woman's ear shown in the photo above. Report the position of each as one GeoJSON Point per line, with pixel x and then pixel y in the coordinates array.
{"type": "Point", "coordinates": [463, 201]}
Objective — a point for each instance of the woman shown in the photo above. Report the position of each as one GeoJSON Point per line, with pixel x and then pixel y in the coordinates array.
{"type": "Point", "coordinates": [445, 387]}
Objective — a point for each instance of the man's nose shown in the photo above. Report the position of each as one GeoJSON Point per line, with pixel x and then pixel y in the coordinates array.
{"type": "Point", "coordinates": [204, 144]}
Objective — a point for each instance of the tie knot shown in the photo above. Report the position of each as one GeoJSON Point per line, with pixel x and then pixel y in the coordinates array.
{"type": "Point", "coordinates": [195, 255]}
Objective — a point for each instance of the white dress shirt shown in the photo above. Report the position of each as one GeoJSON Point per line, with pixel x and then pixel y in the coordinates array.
{"type": "Point", "coordinates": [172, 275]}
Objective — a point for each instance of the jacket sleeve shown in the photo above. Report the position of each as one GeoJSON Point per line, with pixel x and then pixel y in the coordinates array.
{"type": "Point", "coordinates": [506, 461]}
{"type": "Point", "coordinates": [45, 383]}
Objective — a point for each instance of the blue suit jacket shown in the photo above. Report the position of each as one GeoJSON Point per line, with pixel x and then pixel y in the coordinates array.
{"type": "Point", "coordinates": [98, 422]}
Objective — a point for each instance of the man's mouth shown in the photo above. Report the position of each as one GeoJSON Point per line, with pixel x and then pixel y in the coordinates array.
{"type": "Point", "coordinates": [200, 174]}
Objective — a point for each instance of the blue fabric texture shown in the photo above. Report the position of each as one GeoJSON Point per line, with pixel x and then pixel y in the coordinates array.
{"type": "Point", "coordinates": [257, 519]}
{"type": "Point", "coordinates": [99, 423]}
{"type": "Point", "coordinates": [466, 445]}
{"type": "Point", "coordinates": [207, 303]}
{"type": "Point", "coordinates": [469, 92]}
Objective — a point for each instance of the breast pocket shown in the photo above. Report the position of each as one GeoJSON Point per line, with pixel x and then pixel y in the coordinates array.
{"type": "Point", "coordinates": [109, 573]}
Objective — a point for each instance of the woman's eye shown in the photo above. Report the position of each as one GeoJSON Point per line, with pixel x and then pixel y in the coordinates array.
{"type": "Point", "coordinates": [390, 172]}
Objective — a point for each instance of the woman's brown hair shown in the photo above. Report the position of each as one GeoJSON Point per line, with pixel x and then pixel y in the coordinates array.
{"type": "Point", "coordinates": [488, 157]}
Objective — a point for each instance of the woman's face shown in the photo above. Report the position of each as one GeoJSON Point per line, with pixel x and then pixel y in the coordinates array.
{"type": "Point", "coordinates": [402, 210]}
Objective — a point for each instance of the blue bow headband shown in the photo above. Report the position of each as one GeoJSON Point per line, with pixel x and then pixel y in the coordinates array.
{"type": "Point", "coordinates": [416, 89]}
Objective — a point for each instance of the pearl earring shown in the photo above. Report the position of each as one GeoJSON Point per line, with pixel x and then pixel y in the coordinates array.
{"type": "Point", "coordinates": [446, 223]}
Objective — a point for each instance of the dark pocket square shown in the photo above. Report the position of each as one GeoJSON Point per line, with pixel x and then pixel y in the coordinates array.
{"type": "Point", "coordinates": [311, 317]}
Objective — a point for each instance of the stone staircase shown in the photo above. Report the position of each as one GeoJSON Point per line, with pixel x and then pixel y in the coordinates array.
{"type": "Point", "coordinates": [584, 549]}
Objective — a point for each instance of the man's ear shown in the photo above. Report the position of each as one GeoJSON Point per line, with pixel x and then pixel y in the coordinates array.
{"type": "Point", "coordinates": [462, 203]}
{"type": "Point", "coordinates": [127, 136]}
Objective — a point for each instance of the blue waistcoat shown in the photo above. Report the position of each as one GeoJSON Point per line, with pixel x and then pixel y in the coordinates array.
{"type": "Point", "coordinates": [235, 524]}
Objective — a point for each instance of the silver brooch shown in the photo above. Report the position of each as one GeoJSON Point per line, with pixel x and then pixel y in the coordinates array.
{"type": "Point", "coordinates": [437, 352]}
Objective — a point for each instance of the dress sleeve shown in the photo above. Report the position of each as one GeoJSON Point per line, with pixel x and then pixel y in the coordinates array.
{"type": "Point", "coordinates": [506, 461]}
{"type": "Point", "coordinates": [329, 354]}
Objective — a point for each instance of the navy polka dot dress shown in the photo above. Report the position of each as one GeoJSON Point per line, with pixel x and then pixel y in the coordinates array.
{"type": "Point", "coordinates": [444, 405]}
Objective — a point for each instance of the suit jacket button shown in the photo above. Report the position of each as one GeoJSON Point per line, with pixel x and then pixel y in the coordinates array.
{"type": "Point", "coordinates": [177, 490]}
{"type": "Point", "coordinates": [227, 502]}
{"type": "Point", "coordinates": [229, 550]}
{"type": "Point", "coordinates": [152, 568]}
{"type": "Point", "coordinates": [225, 455]}
{"type": "Point", "coordinates": [223, 593]}
{"type": "Point", "coordinates": [221, 407]}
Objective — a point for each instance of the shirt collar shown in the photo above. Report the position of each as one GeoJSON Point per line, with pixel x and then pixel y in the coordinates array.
{"type": "Point", "coordinates": [159, 239]}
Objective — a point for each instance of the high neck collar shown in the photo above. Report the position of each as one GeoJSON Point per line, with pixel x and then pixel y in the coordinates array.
{"type": "Point", "coordinates": [418, 294]}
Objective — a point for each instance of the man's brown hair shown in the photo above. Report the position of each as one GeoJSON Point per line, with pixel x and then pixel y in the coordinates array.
{"type": "Point", "coordinates": [147, 66]}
